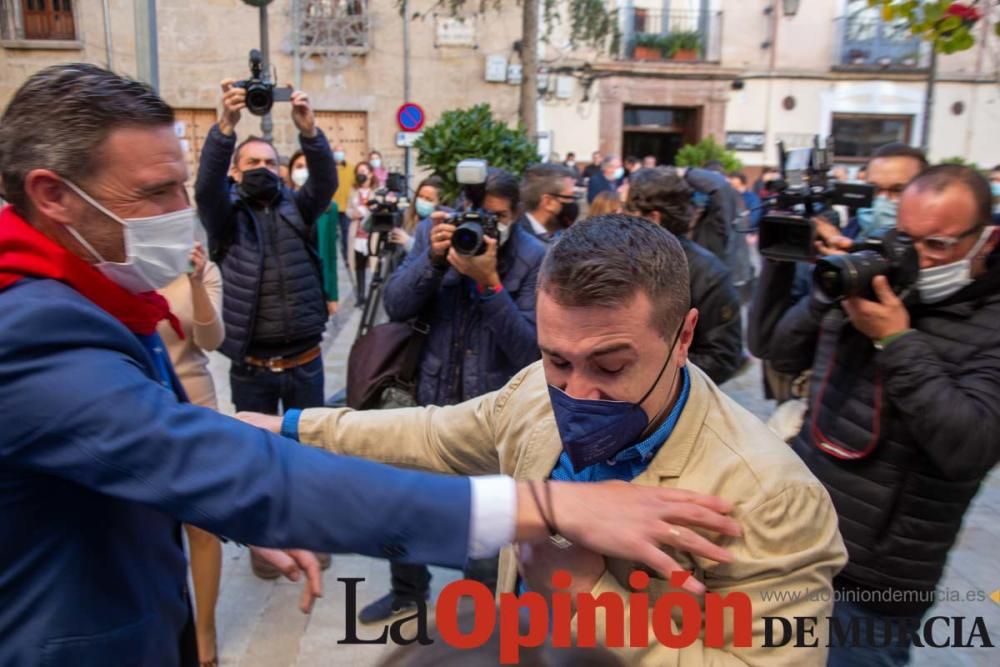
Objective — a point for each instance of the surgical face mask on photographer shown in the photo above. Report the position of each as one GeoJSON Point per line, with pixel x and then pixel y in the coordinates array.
{"type": "Point", "coordinates": [937, 283]}
{"type": "Point", "coordinates": [260, 185]}
{"type": "Point", "coordinates": [882, 215]}
{"type": "Point", "coordinates": [300, 176]}
{"type": "Point", "coordinates": [424, 207]}
{"type": "Point", "coordinates": [157, 248]}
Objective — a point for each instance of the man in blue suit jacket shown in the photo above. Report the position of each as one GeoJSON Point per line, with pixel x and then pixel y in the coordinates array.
{"type": "Point", "coordinates": [101, 458]}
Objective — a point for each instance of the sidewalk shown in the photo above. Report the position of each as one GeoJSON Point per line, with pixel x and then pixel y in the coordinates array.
{"type": "Point", "coordinates": [260, 626]}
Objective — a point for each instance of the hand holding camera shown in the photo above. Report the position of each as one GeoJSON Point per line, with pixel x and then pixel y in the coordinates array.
{"type": "Point", "coordinates": [441, 233]}
{"type": "Point", "coordinates": [302, 114]}
{"type": "Point", "coordinates": [233, 101]}
{"type": "Point", "coordinates": [881, 318]}
{"type": "Point", "coordinates": [481, 268]}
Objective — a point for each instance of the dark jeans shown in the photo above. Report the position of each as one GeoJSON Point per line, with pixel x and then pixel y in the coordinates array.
{"type": "Point", "coordinates": [261, 390]}
{"type": "Point", "coordinates": [414, 580]}
{"type": "Point", "coordinates": [871, 653]}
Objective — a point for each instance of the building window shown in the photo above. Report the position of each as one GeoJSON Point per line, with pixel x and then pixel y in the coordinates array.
{"type": "Point", "coordinates": [334, 27]}
{"type": "Point", "coordinates": [856, 136]}
{"type": "Point", "coordinates": [37, 20]}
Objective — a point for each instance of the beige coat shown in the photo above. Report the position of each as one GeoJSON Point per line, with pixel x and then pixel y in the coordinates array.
{"type": "Point", "coordinates": [790, 539]}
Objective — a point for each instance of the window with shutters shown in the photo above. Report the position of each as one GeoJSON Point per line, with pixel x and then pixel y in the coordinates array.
{"type": "Point", "coordinates": [38, 20]}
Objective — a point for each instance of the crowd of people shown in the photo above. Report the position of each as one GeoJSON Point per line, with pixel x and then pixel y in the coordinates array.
{"type": "Point", "coordinates": [582, 347]}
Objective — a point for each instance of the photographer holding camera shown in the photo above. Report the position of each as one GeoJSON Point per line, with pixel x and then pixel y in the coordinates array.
{"type": "Point", "coordinates": [263, 237]}
{"type": "Point", "coordinates": [480, 314]}
{"type": "Point", "coordinates": [902, 422]}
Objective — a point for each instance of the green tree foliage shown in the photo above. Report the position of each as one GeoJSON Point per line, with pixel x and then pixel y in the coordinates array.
{"type": "Point", "coordinates": [703, 152]}
{"type": "Point", "coordinates": [472, 133]}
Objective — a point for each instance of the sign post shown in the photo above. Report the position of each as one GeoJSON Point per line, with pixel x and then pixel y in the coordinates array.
{"type": "Point", "coordinates": [410, 117]}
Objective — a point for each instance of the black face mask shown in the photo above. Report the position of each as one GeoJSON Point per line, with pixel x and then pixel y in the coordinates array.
{"type": "Point", "coordinates": [362, 179]}
{"type": "Point", "coordinates": [568, 214]}
{"type": "Point", "coordinates": [260, 186]}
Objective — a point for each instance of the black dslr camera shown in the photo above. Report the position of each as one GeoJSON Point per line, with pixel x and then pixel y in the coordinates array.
{"type": "Point", "coordinates": [384, 205]}
{"type": "Point", "coordinates": [890, 254]}
{"type": "Point", "coordinates": [473, 224]}
{"type": "Point", "coordinates": [787, 232]}
{"type": "Point", "coordinates": [261, 91]}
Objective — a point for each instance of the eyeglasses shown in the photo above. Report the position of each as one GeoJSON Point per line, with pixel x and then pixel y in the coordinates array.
{"type": "Point", "coordinates": [940, 247]}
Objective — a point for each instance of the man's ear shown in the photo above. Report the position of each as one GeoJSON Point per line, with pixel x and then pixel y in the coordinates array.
{"type": "Point", "coordinates": [687, 336]}
{"type": "Point", "coordinates": [48, 196]}
{"type": "Point", "coordinates": [235, 174]}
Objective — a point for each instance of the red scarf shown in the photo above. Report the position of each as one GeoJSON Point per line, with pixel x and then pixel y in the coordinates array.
{"type": "Point", "coordinates": [26, 252]}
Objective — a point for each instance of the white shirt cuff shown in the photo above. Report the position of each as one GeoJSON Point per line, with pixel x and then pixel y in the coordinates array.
{"type": "Point", "coordinates": [493, 519]}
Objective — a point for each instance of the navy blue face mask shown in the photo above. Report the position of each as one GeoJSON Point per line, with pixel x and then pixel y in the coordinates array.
{"type": "Point", "coordinates": [595, 430]}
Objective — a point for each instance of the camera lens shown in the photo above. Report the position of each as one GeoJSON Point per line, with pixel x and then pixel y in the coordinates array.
{"type": "Point", "coordinates": [842, 276]}
{"type": "Point", "coordinates": [259, 99]}
{"type": "Point", "coordinates": [468, 238]}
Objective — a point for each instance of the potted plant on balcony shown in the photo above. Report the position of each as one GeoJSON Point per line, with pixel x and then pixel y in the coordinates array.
{"type": "Point", "coordinates": [683, 45]}
{"type": "Point", "coordinates": [647, 46]}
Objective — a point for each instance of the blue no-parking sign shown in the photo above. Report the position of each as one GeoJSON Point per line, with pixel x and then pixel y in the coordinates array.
{"type": "Point", "coordinates": [410, 117]}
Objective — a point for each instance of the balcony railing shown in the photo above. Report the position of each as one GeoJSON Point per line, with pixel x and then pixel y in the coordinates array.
{"type": "Point", "coordinates": [649, 34]}
{"type": "Point", "coordinates": [870, 44]}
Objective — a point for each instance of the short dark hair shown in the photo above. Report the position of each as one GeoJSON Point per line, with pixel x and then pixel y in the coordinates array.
{"type": "Point", "coordinates": [249, 140]}
{"type": "Point", "coordinates": [503, 184]}
{"type": "Point", "coordinates": [631, 159]}
{"type": "Point", "coordinates": [661, 189]}
{"type": "Point", "coordinates": [899, 149]}
{"type": "Point", "coordinates": [571, 154]}
{"type": "Point", "coordinates": [541, 180]}
{"type": "Point", "coordinates": [739, 176]}
{"type": "Point", "coordinates": [941, 176]}
{"type": "Point", "coordinates": [59, 118]}
{"type": "Point", "coordinates": [602, 261]}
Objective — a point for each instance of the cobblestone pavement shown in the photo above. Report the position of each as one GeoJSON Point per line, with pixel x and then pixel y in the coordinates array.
{"type": "Point", "coordinates": [260, 626]}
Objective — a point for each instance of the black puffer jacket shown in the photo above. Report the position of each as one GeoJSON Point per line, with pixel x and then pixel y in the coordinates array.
{"type": "Point", "coordinates": [717, 347]}
{"type": "Point", "coordinates": [273, 302]}
{"type": "Point", "coordinates": [714, 231]}
{"type": "Point", "coordinates": [921, 417]}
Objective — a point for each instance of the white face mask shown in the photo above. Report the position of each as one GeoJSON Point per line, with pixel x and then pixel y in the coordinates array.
{"type": "Point", "coordinates": [157, 249]}
{"type": "Point", "coordinates": [940, 282]}
{"type": "Point", "coordinates": [300, 176]}
{"type": "Point", "coordinates": [504, 232]}
{"type": "Point", "coordinates": [376, 163]}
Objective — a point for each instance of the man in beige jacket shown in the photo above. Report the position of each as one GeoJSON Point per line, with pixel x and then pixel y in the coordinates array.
{"type": "Point", "coordinates": [614, 398]}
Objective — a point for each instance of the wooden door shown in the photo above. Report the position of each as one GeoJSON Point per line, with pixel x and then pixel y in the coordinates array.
{"type": "Point", "coordinates": [192, 126]}
{"type": "Point", "coordinates": [348, 129]}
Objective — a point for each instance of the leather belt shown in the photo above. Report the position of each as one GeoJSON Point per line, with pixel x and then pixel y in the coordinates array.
{"type": "Point", "coordinates": [279, 364]}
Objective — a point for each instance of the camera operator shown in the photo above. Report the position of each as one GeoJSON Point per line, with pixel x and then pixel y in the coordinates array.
{"type": "Point", "coordinates": [428, 198]}
{"type": "Point", "coordinates": [892, 166]}
{"type": "Point", "coordinates": [480, 311]}
{"type": "Point", "coordinates": [660, 195]}
{"type": "Point", "coordinates": [263, 237]}
{"type": "Point", "coordinates": [903, 418]}
{"type": "Point", "coordinates": [549, 198]}
{"type": "Point", "coordinates": [713, 230]}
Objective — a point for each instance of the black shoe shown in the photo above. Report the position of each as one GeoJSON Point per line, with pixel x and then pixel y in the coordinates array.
{"type": "Point", "coordinates": [387, 606]}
